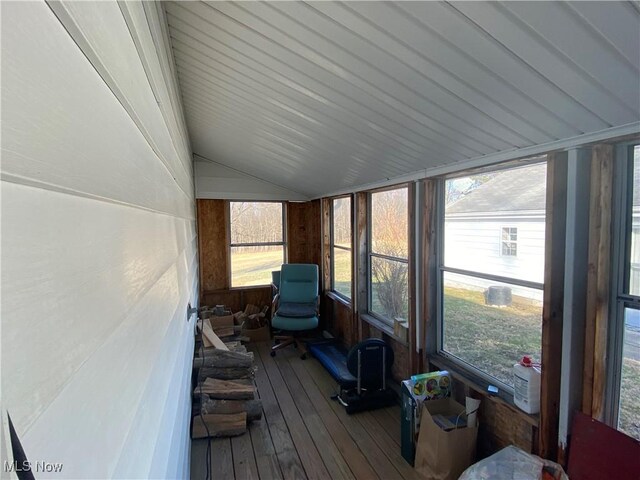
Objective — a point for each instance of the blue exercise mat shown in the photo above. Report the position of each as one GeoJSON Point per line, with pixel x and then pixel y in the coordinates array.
{"type": "Point", "coordinates": [334, 359]}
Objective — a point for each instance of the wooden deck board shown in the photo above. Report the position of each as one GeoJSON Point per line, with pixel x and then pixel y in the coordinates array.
{"type": "Point", "coordinates": [303, 433]}
{"type": "Point", "coordinates": [360, 435]}
{"type": "Point", "coordinates": [244, 461]}
{"type": "Point", "coordinates": [284, 447]}
{"type": "Point", "coordinates": [307, 450]}
{"type": "Point", "coordinates": [330, 453]}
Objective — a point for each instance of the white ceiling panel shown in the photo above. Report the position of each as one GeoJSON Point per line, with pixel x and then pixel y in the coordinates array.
{"type": "Point", "coordinates": [323, 97]}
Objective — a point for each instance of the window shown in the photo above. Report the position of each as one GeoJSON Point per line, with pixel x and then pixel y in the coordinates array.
{"type": "Point", "coordinates": [625, 331]}
{"type": "Point", "coordinates": [388, 255]}
{"type": "Point", "coordinates": [257, 241]}
{"type": "Point", "coordinates": [490, 293]}
{"type": "Point", "coordinates": [509, 241]}
{"type": "Point", "coordinates": [341, 246]}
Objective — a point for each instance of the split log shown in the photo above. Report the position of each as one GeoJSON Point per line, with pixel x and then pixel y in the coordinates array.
{"type": "Point", "coordinates": [226, 389]}
{"type": "Point", "coordinates": [223, 332]}
{"type": "Point", "coordinates": [226, 373]}
{"type": "Point", "coordinates": [251, 309]}
{"type": "Point", "coordinates": [214, 357]}
{"type": "Point", "coordinates": [228, 425]}
{"type": "Point", "coordinates": [253, 408]}
{"type": "Point", "coordinates": [223, 321]}
{"type": "Point", "coordinates": [211, 337]}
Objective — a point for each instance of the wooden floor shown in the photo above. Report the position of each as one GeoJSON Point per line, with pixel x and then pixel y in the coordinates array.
{"type": "Point", "coordinates": [303, 433]}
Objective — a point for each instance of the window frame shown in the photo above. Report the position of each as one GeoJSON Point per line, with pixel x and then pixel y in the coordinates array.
{"type": "Point", "coordinates": [230, 245]}
{"type": "Point", "coordinates": [503, 242]}
{"type": "Point", "coordinates": [332, 246]}
{"type": "Point", "coordinates": [370, 254]}
{"type": "Point", "coordinates": [621, 299]}
{"type": "Point", "coordinates": [475, 373]}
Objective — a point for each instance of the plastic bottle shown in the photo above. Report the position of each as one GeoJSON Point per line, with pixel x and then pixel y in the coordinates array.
{"type": "Point", "coordinates": [526, 385]}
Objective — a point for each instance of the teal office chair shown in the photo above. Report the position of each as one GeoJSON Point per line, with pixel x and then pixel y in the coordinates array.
{"type": "Point", "coordinates": [295, 305]}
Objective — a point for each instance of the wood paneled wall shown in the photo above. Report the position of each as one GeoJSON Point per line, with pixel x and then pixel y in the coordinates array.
{"type": "Point", "coordinates": [212, 245]}
{"type": "Point", "coordinates": [304, 246]}
{"type": "Point", "coordinates": [303, 232]}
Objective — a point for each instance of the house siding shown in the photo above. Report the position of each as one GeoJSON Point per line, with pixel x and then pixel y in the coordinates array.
{"type": "Point", "coordinates": [475, 244]}
{"type": "Point", "coordinates": [99, 255]}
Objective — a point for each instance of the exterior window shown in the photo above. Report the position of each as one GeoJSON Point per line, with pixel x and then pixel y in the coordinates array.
{"type": "Point", "coordinates": [625, 356]}
{"type": "Point", "coordinates": [509, 242]}
{"type": "Point", "coordinates": [388, 255]}
{"type": "Point", "coordinates": [490, 293]}
{"type": "Point", "coordinates": [257, 241]}
{"type": "Point", "coordinates": [341, 246]}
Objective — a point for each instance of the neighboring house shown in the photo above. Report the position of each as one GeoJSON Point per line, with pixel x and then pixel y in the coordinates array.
{"type": "Point", "coordinates": [498, 228]}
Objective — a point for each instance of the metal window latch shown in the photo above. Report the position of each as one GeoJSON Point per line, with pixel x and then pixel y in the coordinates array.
{"type": "Point", "coordinates": [190, 311]}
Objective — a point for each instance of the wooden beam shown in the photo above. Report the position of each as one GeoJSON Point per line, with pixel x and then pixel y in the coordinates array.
{"type": "Point", "coordinates": [430, 274]}
{"type": "Point", "coordinates": [360, 257]}
{"type": "Point", "coordinates": [326, 244]}
{"type": "Point", "coordinates": [411, 222]}
{"type": "Point", "coordinates": [598, 282]}
{"type": "Point", "coordinates": [552, 310]}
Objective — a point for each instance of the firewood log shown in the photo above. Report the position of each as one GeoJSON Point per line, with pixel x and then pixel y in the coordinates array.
{"type": "Point", "coordinates": [227, 425]}
{"type": "Point", "coordinates": [253, 408]}
{"type": "Point", "coordinates": [226, 373]}
{"type": "Point", "coordinates": [226, 389]}
{"type": "Point", "coordinates": [214, 357]}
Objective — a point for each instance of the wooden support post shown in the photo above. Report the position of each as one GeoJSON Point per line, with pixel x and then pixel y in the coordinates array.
{"type": "Point", "coordinates": [552, 310]}
{"type": "Point", "coordinates": [411, 280]}
{"type": "Point", "coordinates": [598, 282]}
{"type": "Point", "coordinates": [430, 270]}
{"type": "Point", "coordinates": [362, 248]}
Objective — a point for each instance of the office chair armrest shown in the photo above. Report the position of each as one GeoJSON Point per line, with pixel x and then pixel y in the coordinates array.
{"type": "Point", "coordinates": [274, 304]}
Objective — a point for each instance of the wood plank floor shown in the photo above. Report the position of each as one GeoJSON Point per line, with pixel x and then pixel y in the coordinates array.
{"type": "Point", "coordinates": [303, 434]}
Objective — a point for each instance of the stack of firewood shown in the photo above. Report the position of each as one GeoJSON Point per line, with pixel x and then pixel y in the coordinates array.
{"type": "Point", "coordinates": [253, 317]}
{"type": "Point", "coordinates": [224, 399]}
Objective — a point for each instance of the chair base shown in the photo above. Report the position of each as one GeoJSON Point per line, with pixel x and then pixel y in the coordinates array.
{"type": "Point", "coordinates": [282, 341]}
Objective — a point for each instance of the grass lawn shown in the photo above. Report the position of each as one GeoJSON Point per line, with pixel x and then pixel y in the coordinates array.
{"type": "Point", "coordinates": [629, 418]}
{"type": "Point", "coordinates": [254, 268]}
{"type": "Point", "coordinates": [491, 338]}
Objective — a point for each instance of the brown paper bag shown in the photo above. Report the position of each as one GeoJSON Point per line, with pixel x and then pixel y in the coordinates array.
{"type": "Point", "coordinates": [440, 454]}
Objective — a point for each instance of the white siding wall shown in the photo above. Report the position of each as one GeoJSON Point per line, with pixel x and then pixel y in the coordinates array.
{"type": "Point", "coordinates": [98, 241]}
{"type": "Point", "coordinates": [476, 245]}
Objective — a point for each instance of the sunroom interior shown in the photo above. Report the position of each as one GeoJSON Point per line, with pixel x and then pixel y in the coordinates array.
{"type": "Point", "coordinates": [465, 175]}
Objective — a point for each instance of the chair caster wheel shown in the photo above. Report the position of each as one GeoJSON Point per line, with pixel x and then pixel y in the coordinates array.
{"type": "Point", "coordinates": [303, 356]}
{"type": "Point", "coordinates": [273, 354]}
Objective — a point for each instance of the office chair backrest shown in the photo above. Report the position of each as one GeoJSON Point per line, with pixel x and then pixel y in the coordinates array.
{"type": "Point", "coordinates": [299, 283]}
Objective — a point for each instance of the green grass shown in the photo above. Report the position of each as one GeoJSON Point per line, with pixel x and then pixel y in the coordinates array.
{"type": "Point", "coordinates": [629, 418]}
{"type": "Point", "coordinates": [491, 338]}
{"type": "Point", "coordinates": [254, 268]}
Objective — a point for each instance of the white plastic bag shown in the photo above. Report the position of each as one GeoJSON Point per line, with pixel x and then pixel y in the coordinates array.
{"type": "Point", "coordinates": [511, 463]}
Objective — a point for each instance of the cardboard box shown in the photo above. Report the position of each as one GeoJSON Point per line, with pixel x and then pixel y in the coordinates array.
{"type": "Point", "coordinates": [444, 454]}
{"type": "Point", "coordinates": [262, 334]}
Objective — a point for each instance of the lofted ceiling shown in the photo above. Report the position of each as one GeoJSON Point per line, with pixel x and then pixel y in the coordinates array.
{"type": "Point", "coordinates": [322, 97]}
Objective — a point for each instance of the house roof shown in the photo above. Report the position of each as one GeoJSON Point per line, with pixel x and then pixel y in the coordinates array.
{"type": "Point", "coordinates": [516, 189]}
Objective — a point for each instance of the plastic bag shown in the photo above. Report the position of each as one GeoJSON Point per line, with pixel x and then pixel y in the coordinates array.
{"type": "Point", "coordinates": [512, 463]}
